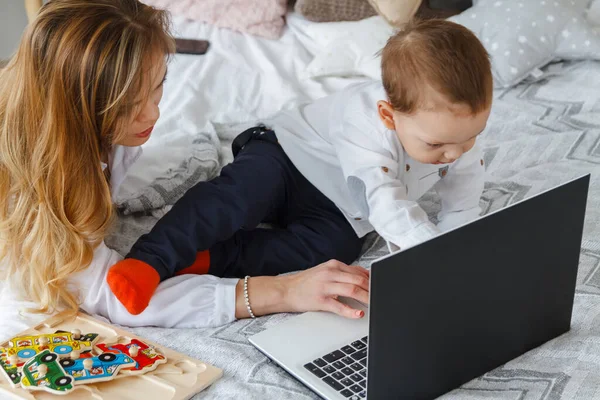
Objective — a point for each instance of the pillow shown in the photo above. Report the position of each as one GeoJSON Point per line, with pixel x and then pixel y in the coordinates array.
{"type": "Point", "coordinates": [593, 13]}
{"type": "Point", "coordinates": [258, 17]}
{"type": "Point", "coordinates": [396, 12]}
{"type": "Point", "coordinates": [524, 35]}
{"type": "Point", "coordinates": [349, 48]}
{"type": "Point", "coordinates": [334, 10]}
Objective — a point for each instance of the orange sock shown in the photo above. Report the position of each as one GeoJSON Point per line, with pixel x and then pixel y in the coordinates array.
{"type": "Point", "coordinates": [133, 282]}
{"type": "Point", "coordinates": [200, 265]}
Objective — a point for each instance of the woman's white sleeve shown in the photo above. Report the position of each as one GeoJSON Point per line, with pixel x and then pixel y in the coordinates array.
{"type": "Point", "coordinates": [187, 301]}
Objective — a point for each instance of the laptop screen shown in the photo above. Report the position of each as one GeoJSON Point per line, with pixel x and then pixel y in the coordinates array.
{"type": "Point", "coordinates": [468, 301]}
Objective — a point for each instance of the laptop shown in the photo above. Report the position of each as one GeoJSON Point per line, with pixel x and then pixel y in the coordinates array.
{"type": "Point", "coordinates": [448, 310]}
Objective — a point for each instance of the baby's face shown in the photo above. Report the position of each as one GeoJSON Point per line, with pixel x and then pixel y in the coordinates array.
{"type": "Point", "coordinates": [439, 136]}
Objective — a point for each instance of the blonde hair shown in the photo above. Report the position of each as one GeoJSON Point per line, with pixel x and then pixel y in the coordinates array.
{"type": "Point", "coordinates": [442, 55]}
{"type": "Point", "coordinates": [65, 97]}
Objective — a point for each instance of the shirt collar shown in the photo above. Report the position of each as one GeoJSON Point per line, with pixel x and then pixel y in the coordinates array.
{"type": "Point", "coordinates": [120, 161]}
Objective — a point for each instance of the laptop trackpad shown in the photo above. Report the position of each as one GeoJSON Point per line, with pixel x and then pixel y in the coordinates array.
{"type": "Point", "coordinates": [353, 303]}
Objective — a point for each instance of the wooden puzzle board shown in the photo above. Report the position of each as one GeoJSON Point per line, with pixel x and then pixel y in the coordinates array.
{"type": "Point", "coordinates": [178, 379]}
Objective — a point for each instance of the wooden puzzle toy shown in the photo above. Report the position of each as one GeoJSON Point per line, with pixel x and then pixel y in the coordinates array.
{"type": "Point", "coordinates": [96, 369]}
{"type": "Point", "coordinates": [60, 342]}
{"type": "Point", "coordinates": [147, 358]}
{"type": "Point", "coordinates": [9, 367]}
{"type": "Point", "coordinates": [43, 372]}
{"type": "Point", "coordinates": [80, 357]}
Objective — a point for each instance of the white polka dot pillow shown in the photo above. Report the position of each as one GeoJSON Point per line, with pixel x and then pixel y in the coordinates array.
{"type": "Point", "coordinates": [524, 35]}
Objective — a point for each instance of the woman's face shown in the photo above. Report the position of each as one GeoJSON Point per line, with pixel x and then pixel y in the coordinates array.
{"type": "Point", "coordinates": [140, 127]}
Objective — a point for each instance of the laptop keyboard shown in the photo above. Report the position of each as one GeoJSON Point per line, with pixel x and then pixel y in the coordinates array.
{"type": "Point", "coordinates": [345, 369]}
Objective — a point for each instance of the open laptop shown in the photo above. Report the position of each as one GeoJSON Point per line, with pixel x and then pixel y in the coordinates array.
{"type": "Point", "coordinates": [448, 310]}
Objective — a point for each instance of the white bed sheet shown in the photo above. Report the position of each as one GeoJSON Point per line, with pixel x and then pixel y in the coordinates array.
{"type": "Point", "coordinates": [241, 79]}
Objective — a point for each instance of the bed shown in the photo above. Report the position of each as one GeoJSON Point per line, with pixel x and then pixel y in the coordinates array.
{"type": "Point", "coordinates": [540, 134]}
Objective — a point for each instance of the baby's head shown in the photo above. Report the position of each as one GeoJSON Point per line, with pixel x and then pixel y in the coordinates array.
{"type": "Point", "coordinates": [438, 80]}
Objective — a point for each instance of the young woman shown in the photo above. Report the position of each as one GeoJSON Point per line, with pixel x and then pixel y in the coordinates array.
{"type": "Point", "coordinates": [76, 102]}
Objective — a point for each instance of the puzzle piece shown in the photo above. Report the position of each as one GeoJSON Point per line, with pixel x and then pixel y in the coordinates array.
{"type": "Point", "coordinates": [147, 358]}
{"type": "Point", "coordinates": [10, 370]}
{"type": "Point", "coordinates": [44, 372]}
{"type": "Point", "coordinates": [62, 343]}
{"type": "Point", "coordinates": [76, 335]}
{"type": "Point", "coordinates": [103, 367]}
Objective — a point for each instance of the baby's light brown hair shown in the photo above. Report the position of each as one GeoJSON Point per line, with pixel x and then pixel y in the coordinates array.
{"type": "Point", "coordinates": [436, 54]}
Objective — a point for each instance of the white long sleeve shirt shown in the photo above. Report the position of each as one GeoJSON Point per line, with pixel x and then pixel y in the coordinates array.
{"type": "Point", "coordinates": [186, 301]}
{"type": "Point", "coordinates": [341, 146]}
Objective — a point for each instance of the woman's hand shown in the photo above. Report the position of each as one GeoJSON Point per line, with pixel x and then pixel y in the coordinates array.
{"type": "Point", "coordinates": [316, 289]}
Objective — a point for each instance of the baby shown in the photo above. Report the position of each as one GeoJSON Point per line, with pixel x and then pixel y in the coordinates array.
{"type": "Point", "coordinates": [334, 170]}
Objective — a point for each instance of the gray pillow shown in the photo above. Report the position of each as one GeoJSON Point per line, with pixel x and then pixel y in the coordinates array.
{"type": "Point", "coordinates": [524, 35]}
